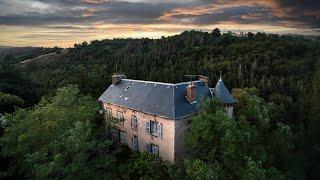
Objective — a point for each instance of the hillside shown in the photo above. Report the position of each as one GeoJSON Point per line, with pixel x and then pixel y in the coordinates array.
{"type": "Point", "coordinates": [263, 61]}
{"type": "Point", "coordinates": [45, 58]}
{"type": "Point", "coordinates": [4, 48]}
{"type": "Point", "coordinates": [12, 55]}
{"type": "Point", "coordinates": [273, 134]}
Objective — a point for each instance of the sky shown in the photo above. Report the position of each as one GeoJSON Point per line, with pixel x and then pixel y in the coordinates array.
{"type": "Point", "coordinates": [63, 23]}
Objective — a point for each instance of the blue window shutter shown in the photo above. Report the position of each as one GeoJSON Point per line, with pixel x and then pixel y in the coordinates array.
{"type": "Point", "coordinates": [155, 149]}
{"type": "Point", "coordinates": [148, 148]}
{"type": "Point", "coordinates": [122, 140]}
{"type": "Point", "coordinates": [135, 143]}
{"type": "Point", "coordinates": [148, 127]}
{"type": "Point", "coordinates": [159, 130]}
{"type": "Point", "coordinates": [134, 122]}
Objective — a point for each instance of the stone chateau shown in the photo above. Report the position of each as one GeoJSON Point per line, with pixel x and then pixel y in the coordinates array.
{"type": "Point", "coordinates": [153, 116]}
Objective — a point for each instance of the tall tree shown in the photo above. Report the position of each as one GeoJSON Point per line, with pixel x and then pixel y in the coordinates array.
{"type": "Point", "coordinates": [236, 147]}
{"type": "Point", "coordinates": [55, 140]}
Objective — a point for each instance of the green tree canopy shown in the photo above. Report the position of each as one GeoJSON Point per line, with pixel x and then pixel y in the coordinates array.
{"type": "Point", "coordinates": [8, 103]}
{"type": "Point", "coordinates": [55, 139]}
{"type": "Point", "coordinates": [238, 147]}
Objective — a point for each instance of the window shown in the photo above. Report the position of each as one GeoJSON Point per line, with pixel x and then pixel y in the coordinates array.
{"type": "Point", "coordinates": [135, 143]}
{"type": "Point", "coordinates": [120, 117]}
{"type": "Point", "coordinates": [121, 136]}
{"type": "Point", "coordinates": [134, 122]}
{"type": "Point", "coordinates": [109, 112]}
{"type": "Point", "coordinates": [154, 128]}
{"type": "Point", "coordinates": [153, 149]}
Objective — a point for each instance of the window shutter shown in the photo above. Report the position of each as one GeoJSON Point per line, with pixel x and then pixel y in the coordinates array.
{"type": "Point", "coordinates": [132, 143]}
{"type": "Point", "coordinates": [134, 122]}
{"type": "Point", "coordinates": [148, 127]}
{"type": "Point", "coordinates": [122, 118]}
{"type": "Point", "coordinates": [148, 148]}
{"type": "Point", "coordinates": [114, 133]}
{"type": "Point", "coordinates": [121, 137]}
{"type": "Point", "coordinates": [159, 129]}
{"type": "Point", "coordinates": [135, 143]}
{"type": "Point", "coordinates": [155, 149]}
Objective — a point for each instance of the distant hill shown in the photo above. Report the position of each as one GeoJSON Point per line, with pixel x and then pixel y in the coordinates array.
{"type": "Point", "coordinates": [4, 48]}
{"type": "Point", "coordinates": [13, 55]}
{"type": "Point", "coordinates": [45, 58]}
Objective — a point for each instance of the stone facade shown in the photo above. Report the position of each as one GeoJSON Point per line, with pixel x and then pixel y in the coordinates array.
{"type": "Point", "coordinates": [171, 142]}
{"type": "Point", "coordinates": [166, 143]}
{"type": "Point", "coordinates": [229, 110]}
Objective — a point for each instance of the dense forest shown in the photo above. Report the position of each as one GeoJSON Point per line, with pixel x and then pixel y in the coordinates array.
{"type": "Point", "coordinates": [51, 127]}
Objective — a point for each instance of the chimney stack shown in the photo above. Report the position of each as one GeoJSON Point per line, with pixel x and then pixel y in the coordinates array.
{"type": "Point", "coordinates": [191, 92]}
{"type": "Point", "coordinates": [116, 78]}
{"type": "Point", "coordinates": [204, 79]}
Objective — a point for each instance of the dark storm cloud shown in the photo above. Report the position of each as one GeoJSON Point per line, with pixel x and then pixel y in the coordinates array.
{"type": "Point", "coordinates": [126, 12]}
{"type": "Point", "coordinates": [52, 12]}
{"type": "Point", "coordinates": [307, 11]}
{"type": "Point", "coordinates": [243, 14]}
{"type": "Point", "coordinates": [109, 12]}
{"type": "Point", "coordinates": [290, 13]}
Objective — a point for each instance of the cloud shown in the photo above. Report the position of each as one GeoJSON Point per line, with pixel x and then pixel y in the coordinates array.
{"type": "Point", "coordinates": [38, 19]}
{"type": "Point", "coordinates": [305, 14]}
{"type": "Point", "coordinates": [95, 1]}
{"type": "Point", "coordinates": [44, 12]}
{"type": "Point", "coordinates": [113, 11]}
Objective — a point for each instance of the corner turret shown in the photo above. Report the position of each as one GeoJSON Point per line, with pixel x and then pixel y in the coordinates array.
{"type": "Point", "coordinates": [222, 92]}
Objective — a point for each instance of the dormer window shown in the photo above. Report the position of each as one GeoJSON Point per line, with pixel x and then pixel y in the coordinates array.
{"type": "Point", "coordinates": [126, 89]}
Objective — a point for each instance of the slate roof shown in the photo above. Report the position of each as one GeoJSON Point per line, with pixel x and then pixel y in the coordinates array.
{"type": "Point", "coordinates": [222, 92]}
{"type": "Point", "coordinates": [163, 99]}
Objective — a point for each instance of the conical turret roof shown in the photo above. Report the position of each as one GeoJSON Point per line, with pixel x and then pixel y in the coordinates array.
{"type": "Point", "coordinates": [222, 92]}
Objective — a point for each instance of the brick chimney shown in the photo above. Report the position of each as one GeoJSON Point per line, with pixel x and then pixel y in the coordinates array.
{"type": "Point", "coordinates": [116, 78]}
{"type": "Point", "coordinates": [204, 79]}
{"type": "Point", "coordinates": [191, 92]}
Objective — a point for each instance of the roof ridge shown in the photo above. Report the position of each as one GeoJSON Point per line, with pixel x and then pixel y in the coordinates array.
{"type": "Point", "coordinates": [180, 83]}
{"type": "Point", "coordinates": [163, 83]}
{"type": "Point", "coordinates": [154, 82]}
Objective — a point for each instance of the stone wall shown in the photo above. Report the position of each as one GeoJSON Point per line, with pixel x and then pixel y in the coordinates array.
{"type": "Point", "coordinates": [229, 110]}
{"type": "Point", "coordinates": [181, 126]}
{"type": "Point", "coordinates": [166, 143]}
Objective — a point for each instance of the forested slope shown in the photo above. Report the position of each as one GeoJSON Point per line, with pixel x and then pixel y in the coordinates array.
{"type": "Point", "coordinates": [280, 113]}
{"type": "Point", "coordinates": [281, 67]}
